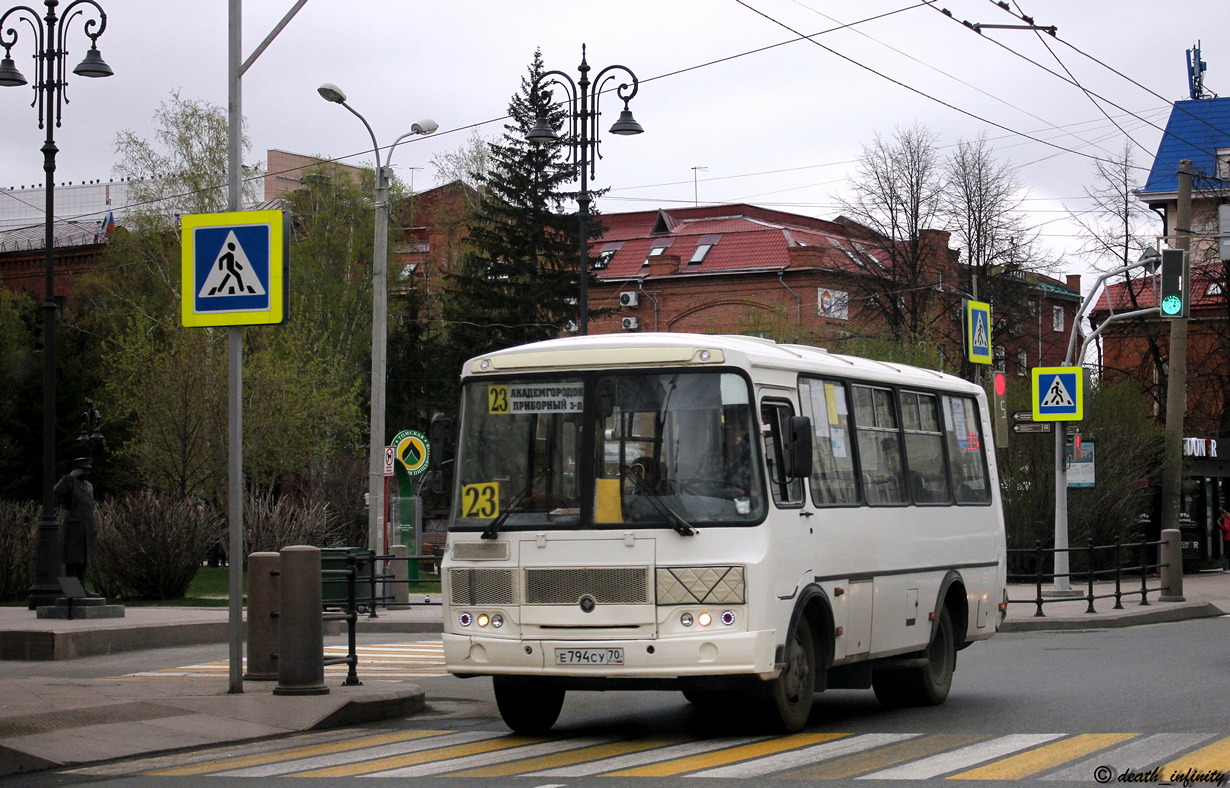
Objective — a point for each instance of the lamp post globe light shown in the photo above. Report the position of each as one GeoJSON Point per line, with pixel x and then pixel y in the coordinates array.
{"type": "Point", "coordinates": [583, 142]}
{"type": "Point", "coordinates": [380, 308]}
{"type": "Point", "coordinates": [50, 76]}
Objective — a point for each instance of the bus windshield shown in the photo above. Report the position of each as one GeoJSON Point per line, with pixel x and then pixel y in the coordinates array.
{"type": "Point", "coordinates": [668, 449]}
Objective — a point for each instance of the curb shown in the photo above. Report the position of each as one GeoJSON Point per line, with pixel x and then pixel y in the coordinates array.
{"type": "Point", "coordinates": [1159, 614]}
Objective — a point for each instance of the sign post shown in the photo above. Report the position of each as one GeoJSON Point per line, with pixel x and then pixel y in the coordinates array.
{"type": "Point", "coordinates": [234, 268]}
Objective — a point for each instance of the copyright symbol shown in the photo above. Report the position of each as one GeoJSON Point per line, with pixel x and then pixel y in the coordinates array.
{"type": "Point", "coordinates": [1104, 774]}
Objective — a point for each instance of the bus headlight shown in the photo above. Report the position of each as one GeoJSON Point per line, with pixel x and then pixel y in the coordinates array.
{"type": "Point", "coordinates": [497, 621]}
{"type": "Point", "coordinates": [465, 619]}
{"type": "Point", "coordinates": [686, 619]}
{"type": "Point", "coordinates": [705, 619]}
{"type": "Point", "coordinates": [483, 619]}
{"type": "Point", "coordinates": [728, 617]}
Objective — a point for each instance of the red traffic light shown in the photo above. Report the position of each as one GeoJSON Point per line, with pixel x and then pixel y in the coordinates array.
{"type": "Point", "coordinates": [1001, 384]}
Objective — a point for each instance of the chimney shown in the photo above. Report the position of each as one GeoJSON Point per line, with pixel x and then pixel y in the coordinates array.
{"type": "Point", "coordinates": [1074, 282]}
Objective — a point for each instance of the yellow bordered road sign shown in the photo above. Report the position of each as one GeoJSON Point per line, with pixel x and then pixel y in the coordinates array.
{"type": "Point", "coordinates": [234, 268]}
{"type": "Point", "coordinates": [978, 332]}
{"type": "Point", "coordinates": [1058, 393]}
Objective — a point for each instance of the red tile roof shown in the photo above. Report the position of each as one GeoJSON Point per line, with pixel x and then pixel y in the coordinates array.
{"type": "Point", "coordinates": [1141, 293]}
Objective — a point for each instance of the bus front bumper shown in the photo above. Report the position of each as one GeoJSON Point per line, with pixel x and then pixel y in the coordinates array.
{"type": "Point", "coordinates": [730, 654]}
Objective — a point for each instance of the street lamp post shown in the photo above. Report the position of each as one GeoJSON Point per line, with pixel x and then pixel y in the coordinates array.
{"type": "Point", "coordinates": [380, 308]}
{"type": "Point", "coordinates": [49, 83]}
{"type": "Point", "coordinates": [584, 146]}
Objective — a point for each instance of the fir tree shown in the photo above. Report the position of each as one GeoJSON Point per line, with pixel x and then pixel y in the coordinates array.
{"type": "Point", "coordinates": [519, 282]}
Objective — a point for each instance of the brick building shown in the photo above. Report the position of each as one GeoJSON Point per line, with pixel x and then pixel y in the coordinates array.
{"type": "Point", "coordinates": [744, 269]}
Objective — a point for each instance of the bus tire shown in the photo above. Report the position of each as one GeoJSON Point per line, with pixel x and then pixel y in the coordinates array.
{"type": "Point", "coordinates": [923, 686]}
{"type": "Point", "coordinates": [527, 707]}
{"type": "Point", "coordinates": [790, 695]}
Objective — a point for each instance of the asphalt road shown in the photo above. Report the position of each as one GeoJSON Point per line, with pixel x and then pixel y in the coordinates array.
{"type": "Point", "coordinates": [1047, 707]}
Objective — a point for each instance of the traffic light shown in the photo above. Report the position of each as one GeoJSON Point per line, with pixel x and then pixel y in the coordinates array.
{"type": "Point", "coordinates": [1175, 297]}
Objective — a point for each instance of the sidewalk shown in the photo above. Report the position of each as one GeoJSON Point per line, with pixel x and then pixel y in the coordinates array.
{"type": "Point", "coordinates": [56, 719]}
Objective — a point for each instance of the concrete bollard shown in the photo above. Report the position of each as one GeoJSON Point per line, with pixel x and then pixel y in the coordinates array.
{"type": "Point", "coordinates": [263, 601]}
{"type": "Point", "coordinates": [400, 591]}
{"type": "Point", "coordinates": [301, 640]}
{"type": "Point", "coordinates": [1172, 567]}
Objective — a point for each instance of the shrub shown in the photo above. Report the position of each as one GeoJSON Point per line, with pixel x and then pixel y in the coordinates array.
{"type": "Point", "coordinates": [18, 538]}
{"type": "Point", "coordinates": [150, 545]}
{"type": "Point", "coordinates": [271, 524]}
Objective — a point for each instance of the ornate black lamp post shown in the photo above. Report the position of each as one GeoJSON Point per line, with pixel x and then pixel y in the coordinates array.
{"type": "Point", "coordinates": [49, 82]}
{"type": "Point", "coordinates": [583, 142]}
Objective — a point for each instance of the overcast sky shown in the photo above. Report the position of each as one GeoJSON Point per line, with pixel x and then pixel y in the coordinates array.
{"type": "Point", "coordinates": [772, 123]}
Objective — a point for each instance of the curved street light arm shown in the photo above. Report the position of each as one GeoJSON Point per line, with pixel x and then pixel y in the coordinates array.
{"type": "Point", "coordinates": [8, 39]}
{"type": "Point", "coordinates": [604, 76]}
{"type": "Point", "coordinates": [549, 78]}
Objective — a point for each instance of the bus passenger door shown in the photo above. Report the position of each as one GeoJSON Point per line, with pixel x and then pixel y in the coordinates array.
{"type": "Point", "coordinates": [789, 516]}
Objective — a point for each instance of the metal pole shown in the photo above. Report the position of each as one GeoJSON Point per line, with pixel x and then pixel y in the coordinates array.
{"type": "Point", "coordinates": [234, 495]}
{"type": "Point", "coordinates": [45, 588]}
{"type": "Point", "coordinates": [583, 199]}
{"type": "Point", "coordinates": [1176, 377]}
{"type": "Point", "coordinates": [380, 275]}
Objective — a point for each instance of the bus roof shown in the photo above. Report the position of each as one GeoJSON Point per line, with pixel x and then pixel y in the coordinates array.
{"type": "Point", "coordinates": [650, 349]}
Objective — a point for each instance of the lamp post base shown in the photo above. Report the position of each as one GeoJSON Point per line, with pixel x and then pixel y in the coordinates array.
{"type": "Point", "coordinates": [45, 588]}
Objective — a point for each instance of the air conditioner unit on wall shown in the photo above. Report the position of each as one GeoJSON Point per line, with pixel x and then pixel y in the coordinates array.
{"type": "Point", "coordinates": [629, 300]}
{"type": "Point", "coordinates": [630, 323]}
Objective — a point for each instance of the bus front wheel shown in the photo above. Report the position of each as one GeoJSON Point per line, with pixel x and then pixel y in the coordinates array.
{"type": "Point", "coordinates": [790, 695]}
{"type": "Point", "coordinates": [527, 707]}
{"type": "Point", "coordinates": [922, 686]}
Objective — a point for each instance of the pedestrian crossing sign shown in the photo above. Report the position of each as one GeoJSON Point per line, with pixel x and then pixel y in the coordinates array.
{"type": "Point", "coordinates": [234, 268]}
{"type": "Point", "coordinates": [978, 331]}
{"type": "Point", "coordinates": [1058, 393]}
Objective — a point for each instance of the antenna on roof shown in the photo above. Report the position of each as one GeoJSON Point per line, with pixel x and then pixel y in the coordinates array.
{"type": "Point", "coordinates": [1195, 74]}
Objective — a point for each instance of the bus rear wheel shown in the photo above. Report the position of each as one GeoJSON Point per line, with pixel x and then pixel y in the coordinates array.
{"type": "Point", "coordinates": [527, 707]}
{"type": "Point", "coordinates": [922, 686]}
{"type": "Point", "coordinates": [790, 695]}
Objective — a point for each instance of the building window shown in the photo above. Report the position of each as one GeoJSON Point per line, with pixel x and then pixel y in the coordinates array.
{"type": "Point", "coordinates": [1223, 163]}
{"type": "Point", "coordinates": [703, 245]}
{"type": "Point", "coordinates": [1215, 289]}
{"type": "Point", "coordinates": [1057, 318]}
{"type": "Point", "coordinates": [654, 252]}
{"type": "Point", "coordinates": [1022, 363]}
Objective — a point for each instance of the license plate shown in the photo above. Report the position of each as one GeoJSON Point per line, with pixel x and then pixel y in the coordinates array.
{"type": "Point", "coordinates": [589, 656]}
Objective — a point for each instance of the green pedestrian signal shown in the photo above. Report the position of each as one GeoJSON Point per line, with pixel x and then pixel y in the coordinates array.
{"type": "Point", "coordinates": [1174, 298]}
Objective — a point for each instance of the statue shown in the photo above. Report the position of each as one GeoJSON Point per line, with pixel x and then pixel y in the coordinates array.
{"type": "Point", "coordinates": [76, 494]}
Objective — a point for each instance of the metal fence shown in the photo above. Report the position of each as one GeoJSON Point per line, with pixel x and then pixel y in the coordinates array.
{"type": "Point", "coordinates": [1118, 556]}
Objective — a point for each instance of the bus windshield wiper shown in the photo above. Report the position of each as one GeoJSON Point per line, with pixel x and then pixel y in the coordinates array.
{"type": "Point", "coordinates": [682, 526]}
{"type": "Point", "coordinates": [493, 528]}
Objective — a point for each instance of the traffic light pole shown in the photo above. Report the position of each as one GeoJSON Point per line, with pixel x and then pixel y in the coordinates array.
{"type": "Point", "coordinates": [1176, 374]}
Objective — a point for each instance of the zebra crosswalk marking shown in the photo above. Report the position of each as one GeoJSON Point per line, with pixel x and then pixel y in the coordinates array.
{"type": "Point", "coordinates": [963, 758]}
{"type": "Point", "coordinates": [592, 753]}
{"type": "Point", "coordinates": [1136, 753]}
{"type": "Point", "coordinates": [419, 659]}
{"type": "Point", "coordinates": [848, 766]}
{"type": "Point", "coordinates": [730, 755]}
{"type": "Point", "coordinates": [805, 755]}
{"type": "Point", "coordinates": [682, 750]}
{"type": "Point", "coordinates": [286, 766]}
{"type": "Point", "coordinates": [486, 759]}
{"type": "Point", "coordinates": [1046, 757]}
{"type": "Point", "coordinates": [399, 761]}
{"type": "Point", "coordinates": [296, 752]}
{"type": "Point", "coordinates": [1211, 757]}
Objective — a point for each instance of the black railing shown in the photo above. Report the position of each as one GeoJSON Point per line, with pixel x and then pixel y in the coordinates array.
{"type": "Point", "coordinates": [425, 562]}
{"type": "Point", "coordinates": [349, 613]}
{"type": "Point", "coordinates": [1092, 553]}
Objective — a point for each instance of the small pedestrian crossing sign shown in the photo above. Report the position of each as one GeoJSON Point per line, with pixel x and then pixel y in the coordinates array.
{"type": "Point", "coordinates": [234, 268]}
{"type": "Point", "coordinates": [1058, 393]}
{"type": "Point", "coordinates": [978, 332]}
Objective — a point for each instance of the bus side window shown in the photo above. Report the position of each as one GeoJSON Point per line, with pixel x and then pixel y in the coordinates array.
{"type": "Point", "coordinates": [776, 416]}
{"type": "Point", "coordinates": [924, 448]}
{"type": "Point", "coordinates": [879, 445]}
{"type": "Point", "coordinates": [832, 477]}
{"type": "Point", "coordinates": [967, 450]}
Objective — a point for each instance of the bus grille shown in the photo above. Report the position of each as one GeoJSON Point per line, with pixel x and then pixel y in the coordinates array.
{"type": "Point", "coordinates": [706, 585]}
{"type": "Point", "coordinates": [482, 587]}
{"type": "Point", "coordinates": [609, 586]}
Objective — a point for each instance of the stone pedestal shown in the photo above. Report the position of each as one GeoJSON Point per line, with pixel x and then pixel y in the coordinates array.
{"type": "Point", "coordinates": [81, 607]}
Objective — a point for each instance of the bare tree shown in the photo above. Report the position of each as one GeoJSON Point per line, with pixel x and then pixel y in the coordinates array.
{"type": "Point", "coordinates": [896, 195]}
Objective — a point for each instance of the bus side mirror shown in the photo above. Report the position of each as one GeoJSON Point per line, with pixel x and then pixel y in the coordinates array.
{"type": "Point", "coordinates": [799, 448]}
{"type": "Point", "coordinates": [440, 432]}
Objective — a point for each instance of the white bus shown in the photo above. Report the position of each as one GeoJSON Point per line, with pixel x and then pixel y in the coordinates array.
{"type": "Point", "coordinates": [716, 515]}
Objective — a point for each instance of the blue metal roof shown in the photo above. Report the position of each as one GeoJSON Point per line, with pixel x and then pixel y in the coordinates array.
{"type": "Point", "coordinates": [1195, 131]}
